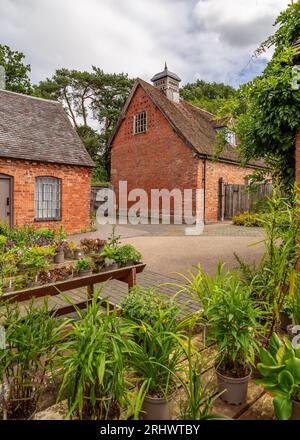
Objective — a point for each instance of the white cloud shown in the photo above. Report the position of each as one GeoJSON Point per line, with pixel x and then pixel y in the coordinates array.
{"type": "Point", "coordinates": [209, 39]}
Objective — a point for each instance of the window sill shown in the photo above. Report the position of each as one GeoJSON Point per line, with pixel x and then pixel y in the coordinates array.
{"type": "Point", "coordinates": [43, 220]}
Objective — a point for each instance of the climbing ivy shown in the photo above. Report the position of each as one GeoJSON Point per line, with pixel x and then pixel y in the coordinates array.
{"type": "Point", "coordinates": [267, 128]}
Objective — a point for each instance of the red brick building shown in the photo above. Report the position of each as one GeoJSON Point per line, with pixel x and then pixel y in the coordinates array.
{"type": "Point", "coordinates": [161, 141]}
{"type": "Point", "coordinates": [45, 170]}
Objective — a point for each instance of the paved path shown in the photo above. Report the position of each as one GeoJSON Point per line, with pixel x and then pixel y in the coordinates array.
{"type": "Point", "coordinates": [166, 249]}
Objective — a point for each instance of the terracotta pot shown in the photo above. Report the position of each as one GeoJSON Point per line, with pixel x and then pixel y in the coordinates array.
{"type": "Point", "coordinates": [85, 272]}
{"type": "Point", "coordinates": [155, 408]}
{"type": "Point", "coordinates": [295, 410]}
{"type": "Point", "coordinates": [59, 257]}
{"type": "Point", "coordinates": [234, 389]}
{"type": "Point", "coordinates": [285, 320]}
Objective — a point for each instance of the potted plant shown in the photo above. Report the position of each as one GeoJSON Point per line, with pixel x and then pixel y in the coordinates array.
{"type": "Point", "coordinates": [280, 369]}
{"type": "Point", "coordinates": [8, 271]}
{"type": "Point", "coordinates": [158, 349]}
{"type": "Point", "coordinates": [109, 254]}
{"type": "Point", "coordinates": [67, 251]}
{"type": "Point", "coordinates": [199, 394]}
{"type": "Point", "coordinates": [94, 365]}
{"type": "Point", "coordinates": [59, 256]}
{"type": "Point", "coordinates": [91, 245]}
{"type": "Point", "coordinates": [77, 252]}
{"type": "Point", "coordinates": [32, 345]}
{"type": "Point", "coordinates": [84, 267]}
{"type": "Point", "coordinates": [231, 317]}
{"type": "Point", "coordinates": [294, 327]}
{"type": "Point", "coordinates": [127, 255]}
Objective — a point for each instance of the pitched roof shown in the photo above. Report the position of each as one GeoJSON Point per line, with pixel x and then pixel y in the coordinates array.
{"type": "Point", "coordinates": [195, 126]}
{"type": "Point", "coordinates": [39, 130]}
{"type": "Point", "coordinates": [164, 73]}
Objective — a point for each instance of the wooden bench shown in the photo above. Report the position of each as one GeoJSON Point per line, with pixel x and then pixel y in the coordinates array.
{"type": "Point", "coordinates": [124, 274]}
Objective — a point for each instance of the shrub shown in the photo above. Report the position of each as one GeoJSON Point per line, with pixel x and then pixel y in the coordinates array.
{"type": "Point", "coordinates": [83, 264]}
{"type": "Point", "coordinates": [145, 305]}
{"type": "Point", "coordinates": [127, 253]}
{"type": "Point", "coordinates": [249, 219]}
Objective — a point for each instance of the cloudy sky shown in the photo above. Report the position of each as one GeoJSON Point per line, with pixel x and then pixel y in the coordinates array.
{"type": "Point", "coordinates": [206, 39]}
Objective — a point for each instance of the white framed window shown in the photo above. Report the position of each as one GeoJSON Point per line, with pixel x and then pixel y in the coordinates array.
{"type": "Point", "coordinates": [230, 137]}
{"type": "Point", "coordinates": [47, 198]}
{"type": "Point", "coordinates": [140, 123]}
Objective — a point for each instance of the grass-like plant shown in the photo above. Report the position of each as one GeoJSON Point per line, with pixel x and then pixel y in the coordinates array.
{"type": "Point", "coordinates": [230, 315]}
{"type": "Point", "coordinates": [94, 365]}
{"type": "Point", "coordinates": [158, 351]}
{"type": "Point", "coordinates": [32, 346]}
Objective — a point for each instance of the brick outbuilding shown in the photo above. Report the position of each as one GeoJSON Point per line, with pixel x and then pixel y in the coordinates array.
{"type": "Point", "coordinates": [45, 170]}
{"type": "Point", "coordinates": [161, 141]}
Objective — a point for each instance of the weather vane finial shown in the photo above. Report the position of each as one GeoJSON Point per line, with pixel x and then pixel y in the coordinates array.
{"type": "Point", "coordinates": [166, 67]}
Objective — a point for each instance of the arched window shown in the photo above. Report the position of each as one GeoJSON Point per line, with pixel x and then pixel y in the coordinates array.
{"type": "Point", "coordinates": [47, 198]}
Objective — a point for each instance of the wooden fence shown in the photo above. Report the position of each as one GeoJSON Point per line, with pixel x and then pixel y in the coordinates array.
{"type": "Point", "coordinates": [235, 199]}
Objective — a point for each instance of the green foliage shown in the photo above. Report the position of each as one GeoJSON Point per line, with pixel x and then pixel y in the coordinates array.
{"type": "Point", "coordinates": [156, 356]}
{"type": "Point", "coordinates": [198, 391]}
{"type": "Point", "coordinates": [208, 96]}
{"type": "Point", "coordinates": [32, 338]}
{"type": "Point", "coordinates": [230, 315]}
{"type": "Point", "coordinates": [126, 254]}
{"type": "Point", "coordinates": [83, 264]}
{"type": "Point", "coordinates": [267, 129]}
{"type": "Point", "coordinates": [145, 305]}
{"type": "Point", "coordinates": [273, 278]}
{"type": "Point", "coordinates": [86, 97]}
{"type": "Point", "coordinates": [16, 72]}
{"type": "Point", "coordinates": [280, 369]}
{"type": "Point", "coordinates": [248, 219]}
{"type": "Point", "coordinates": [94, 365]}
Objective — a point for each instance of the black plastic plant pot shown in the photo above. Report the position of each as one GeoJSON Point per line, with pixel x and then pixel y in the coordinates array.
{"type": "Point", "coordinates": [234, 389]}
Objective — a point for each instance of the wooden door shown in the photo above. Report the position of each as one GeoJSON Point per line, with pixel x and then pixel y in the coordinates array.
{"type": "Point", "coordinates": [5, 200]}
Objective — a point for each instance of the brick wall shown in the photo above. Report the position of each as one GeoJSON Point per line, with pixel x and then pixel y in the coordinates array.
{"type": "Point", "coordinates": [75, 193]}
{"type": "Point", "coordinates": [160, 159]}
{"type": "Point", "coordinates": [155, 159]}
{"type": "Point", "coordinates": [231, 174]}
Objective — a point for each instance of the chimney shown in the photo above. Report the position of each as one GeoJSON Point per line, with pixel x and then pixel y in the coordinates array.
{"type": "Point", "coordinates": [168, 83]}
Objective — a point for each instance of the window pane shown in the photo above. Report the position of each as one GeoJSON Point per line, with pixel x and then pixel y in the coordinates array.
{"type": "Point", "coordinates": [47, 198]}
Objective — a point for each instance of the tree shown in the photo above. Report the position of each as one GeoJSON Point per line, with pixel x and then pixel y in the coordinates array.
{"type": "Point", "coordinates": [16, 72]}
{"type": "Point", "coordinates": [268, 127]}
{"type": "Point", "coordinates": [208, 96]}
{"type": "Point", "coordinates": [90, 99]}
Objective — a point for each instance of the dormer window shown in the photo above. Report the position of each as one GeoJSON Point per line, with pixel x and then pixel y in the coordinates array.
{"type": "Point", "coordinates": [140, 123]}
{"type": "Point", "coordinates": [230, 138]}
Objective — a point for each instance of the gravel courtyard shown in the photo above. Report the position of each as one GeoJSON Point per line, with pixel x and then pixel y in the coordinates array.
{"type": "Point", "coordinates": [167, 250]}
